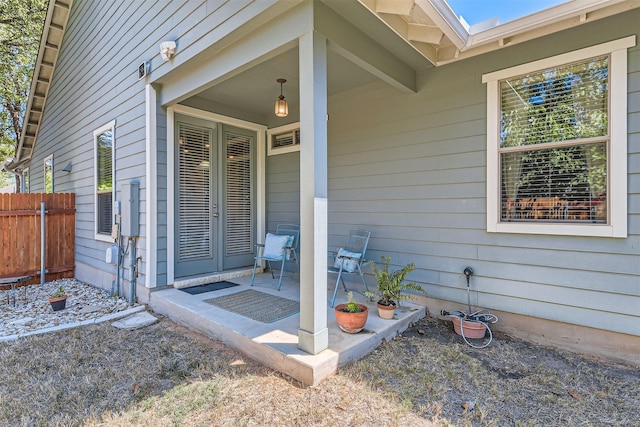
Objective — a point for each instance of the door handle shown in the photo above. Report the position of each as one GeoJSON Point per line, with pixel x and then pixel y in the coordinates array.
{"type": "Point", "coordinates": [216, 215]}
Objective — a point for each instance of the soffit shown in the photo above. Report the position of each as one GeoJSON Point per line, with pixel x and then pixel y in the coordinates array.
{"type": "Point", "coordinates": [432, 29]}
{"type": "Point", "coordinates": [52, 34]}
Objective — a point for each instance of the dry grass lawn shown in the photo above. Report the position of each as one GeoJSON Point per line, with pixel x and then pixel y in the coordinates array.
{"type": "Point", "coordinates": [164, 375]}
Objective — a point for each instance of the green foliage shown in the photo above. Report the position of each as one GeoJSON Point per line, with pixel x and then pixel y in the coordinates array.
{"type": "Point", "coordinates": [392, 284]}
{"type": "Point", "coordinates": [21, 23]}
{"type": "Point", "coordinates": [58, 293]}
{"type": "Point", "coordinates": [352, 306]}
{"type": "Point", "coordinates": [567, 103]}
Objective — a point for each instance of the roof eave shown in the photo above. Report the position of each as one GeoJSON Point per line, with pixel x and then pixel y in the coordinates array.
{"type": "Point", "coordinates": [52, 34]}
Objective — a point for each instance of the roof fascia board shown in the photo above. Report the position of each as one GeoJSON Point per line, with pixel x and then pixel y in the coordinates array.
{"type": "Point", "coordinates": [442, 15]}
{"type": "Point", "coordinates": [537, 20]}
{"type": "Point", "coordinates": [449, 55]}
{"type": "Point", "coordinates": [44, 46]}
{"type": "Point", "coordinates": [352, 44]}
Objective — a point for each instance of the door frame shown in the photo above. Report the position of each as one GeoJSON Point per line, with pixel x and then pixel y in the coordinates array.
{"type": "Point", "coordinates": [260, 130]}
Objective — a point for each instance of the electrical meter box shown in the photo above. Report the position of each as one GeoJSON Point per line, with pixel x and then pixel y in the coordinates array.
{"type": "Point", "coordinates": [130, 225]}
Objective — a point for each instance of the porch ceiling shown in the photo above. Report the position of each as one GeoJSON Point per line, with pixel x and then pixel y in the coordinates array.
{"type": "Point", "coordinates": [254, 91]}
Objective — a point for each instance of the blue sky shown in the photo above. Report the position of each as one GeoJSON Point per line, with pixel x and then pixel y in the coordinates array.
{"type": "Point", "coordinates": [475, 11]}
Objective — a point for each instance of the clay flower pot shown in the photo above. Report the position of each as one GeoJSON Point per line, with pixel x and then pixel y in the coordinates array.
{"type": "Point", "coordinates": [58, 303]}
{"type": "Point", "coordinates": [472, 329]}
{"type": "Point", "coordinates": [351, 323]}
{"type": "Point", "coordinates": [386, 311]}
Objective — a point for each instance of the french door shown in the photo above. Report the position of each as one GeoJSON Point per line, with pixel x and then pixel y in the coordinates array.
{"type": "Point", "coordinates": [214, 196]}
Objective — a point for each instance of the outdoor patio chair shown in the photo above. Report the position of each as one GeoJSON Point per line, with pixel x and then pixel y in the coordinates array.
{"type": "Point", "coordinates": [291, 230]}
{"type": "Point", "coordinates": [276, 249]}
{"type": "Point", "coordinates": [349, 259]}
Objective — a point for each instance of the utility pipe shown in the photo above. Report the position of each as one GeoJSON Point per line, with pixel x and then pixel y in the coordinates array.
{"type": "Point", "coordinates": [43, 248]}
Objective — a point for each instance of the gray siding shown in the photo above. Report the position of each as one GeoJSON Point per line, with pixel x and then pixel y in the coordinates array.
{"type": "Point", "coordinates": [96, 81]}
{"type": "Point", "coordinates": [283, 190]}
{"type": "Point", "coordinates": [412, 170]}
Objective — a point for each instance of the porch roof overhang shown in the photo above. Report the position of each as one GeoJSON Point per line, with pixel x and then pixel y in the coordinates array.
{"type": "Point", "coordinates": [433, 30]}
{"type": "Point", "coordinates": [55, 25]}
{"type": "Point", "coordinates": [409, 35]}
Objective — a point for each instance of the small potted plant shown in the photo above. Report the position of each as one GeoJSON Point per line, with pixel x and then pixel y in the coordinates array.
{"type": "Point", "coordinates": [390, 287]}
{"type": "Point", "coordinates": [58, 300]}
{"type": "Point", "coordinates": [351, 317]}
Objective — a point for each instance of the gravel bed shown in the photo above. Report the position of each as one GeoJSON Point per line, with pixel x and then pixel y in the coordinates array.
{"type": "Point", "coordinates": [33, 313]}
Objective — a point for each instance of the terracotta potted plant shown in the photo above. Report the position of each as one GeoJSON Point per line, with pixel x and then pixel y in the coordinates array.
{"type": "Point", "coordinates": [58, 300]}
{"type": "Point", "coordinates": [470, 328]}
{"type": "Point", "coordinates": [390, 287]}
{"type": "Point", "coordinates": [351, 317]}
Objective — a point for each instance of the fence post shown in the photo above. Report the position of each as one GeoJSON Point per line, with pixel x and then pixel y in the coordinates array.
{"type": "Point", "coordinates": [43, 249]}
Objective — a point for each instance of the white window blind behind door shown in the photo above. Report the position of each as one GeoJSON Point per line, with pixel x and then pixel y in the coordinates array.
{"type": "Point", "coordinates": [238, 194]}
{"type": "Point", "coordinates": [194, 227]}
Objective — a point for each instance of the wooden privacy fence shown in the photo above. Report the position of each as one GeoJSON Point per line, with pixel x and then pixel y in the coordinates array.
{"type": "Point", "coordinates": [20, 231]}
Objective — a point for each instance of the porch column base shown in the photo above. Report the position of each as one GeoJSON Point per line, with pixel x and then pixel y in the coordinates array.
{"type": "Point", "coordinates": [313, 343]}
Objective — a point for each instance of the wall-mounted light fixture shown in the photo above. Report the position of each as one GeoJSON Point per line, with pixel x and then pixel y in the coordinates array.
{"type": "Point", "coordinates": [282, 106]}
{"type": "Point", "coordinates": [167, 50]}
{"type": "Point", "coordinates": [67, 168]}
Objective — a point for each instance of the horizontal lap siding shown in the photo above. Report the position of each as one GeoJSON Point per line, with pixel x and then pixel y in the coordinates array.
{"type": "Point", "coordinates": [412, 170]}
{"type": "Point", "coordinates": [95, 81]}
{"type": "Point", "coordinates": [282, 190]}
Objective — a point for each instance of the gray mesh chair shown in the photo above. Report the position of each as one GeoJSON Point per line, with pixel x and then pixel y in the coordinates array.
{"type": "Point", "coordinates": [275, 251]}
{"type": "Point", "coordinates": [291, 230]}
{"type": "Point", "coordinates": [349, 259]}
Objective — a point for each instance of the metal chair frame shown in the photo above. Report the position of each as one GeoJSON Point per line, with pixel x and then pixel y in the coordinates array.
{"type": "Point", "coordinates": [291, 230]}
{"type": "Point", "coordinates": [287, 252]}
{"type": "Point", "coordinates": [357, 242]}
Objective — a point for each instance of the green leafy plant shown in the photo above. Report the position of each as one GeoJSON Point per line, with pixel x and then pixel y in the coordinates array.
{"type": "Point", "coordinates": [352, 306]}
{"type": "Point", "coordinates": [58, 293]}
{"type": "Point", "coordinates": [392, 284]}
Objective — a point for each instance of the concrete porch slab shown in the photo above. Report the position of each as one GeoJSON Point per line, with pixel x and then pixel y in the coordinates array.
{"type": "Point", "coordinates": [276, 344]}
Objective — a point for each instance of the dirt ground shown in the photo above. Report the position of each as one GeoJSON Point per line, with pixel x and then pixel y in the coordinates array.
{"type": "Point", "coordinates": [164, 374]}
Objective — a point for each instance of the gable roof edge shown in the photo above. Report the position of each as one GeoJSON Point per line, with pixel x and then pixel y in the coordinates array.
{"type": "Point", "coordinates": [52, 34]}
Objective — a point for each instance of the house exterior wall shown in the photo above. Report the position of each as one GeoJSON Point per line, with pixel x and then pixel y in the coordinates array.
{"type": "Point", "coordinates": [95, 82]}
{"type": "Point", "coordinates": [412, 169]}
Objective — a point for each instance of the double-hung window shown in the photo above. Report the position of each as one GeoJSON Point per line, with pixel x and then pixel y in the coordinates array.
{"type": "Point", "coordinates": [104, 149]}
{"type": "Point", "coordinates": [556, 144]}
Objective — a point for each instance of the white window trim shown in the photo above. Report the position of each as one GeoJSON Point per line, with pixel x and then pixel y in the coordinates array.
{"type": "Point", "coordinates": [44, 174]}
{"type": "Point", "coordinates": [617, 155]}
{"type": "Point", "coordinates": [109, 126]}
{"type": "Point", "coordinates": [271, 151]}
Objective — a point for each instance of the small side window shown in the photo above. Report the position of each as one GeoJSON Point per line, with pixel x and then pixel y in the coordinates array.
{"type": "Point", "coordinates": [104, 149]}
{"type": "Point", "coordinates": [25, 181]}
{"type": "Point", "coordinates": [48, 174]}
{"type": "Point", "coordinates": [283, 139]}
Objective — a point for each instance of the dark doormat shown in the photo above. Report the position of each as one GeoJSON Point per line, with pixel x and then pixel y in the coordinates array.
{"type": "Point", "coordinates": [201, 289]}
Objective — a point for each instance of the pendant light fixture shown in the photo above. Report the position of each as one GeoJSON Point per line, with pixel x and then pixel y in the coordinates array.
{"type": "Point", "coordinates": [282, 106]}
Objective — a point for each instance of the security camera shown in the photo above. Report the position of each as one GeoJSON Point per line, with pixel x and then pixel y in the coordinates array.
{"type": "Point", "coordinates": [167, 50]}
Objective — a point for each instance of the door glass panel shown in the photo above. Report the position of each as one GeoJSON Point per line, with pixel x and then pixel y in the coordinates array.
{"type": "Point", "coordinates": [194, 205]}
{"type": "Point", "coordinates": [238, 224]}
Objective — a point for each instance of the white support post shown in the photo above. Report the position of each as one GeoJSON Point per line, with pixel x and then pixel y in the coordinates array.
{"type": "Point", "coordinates": [151, 191]}
{"type": "Point", "coordinates": [313, 335]}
